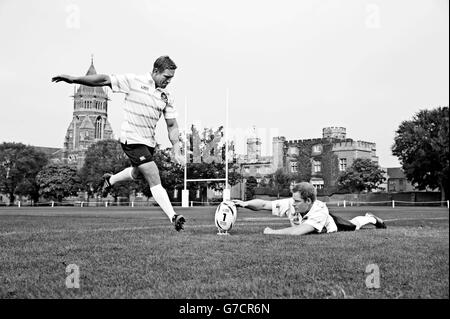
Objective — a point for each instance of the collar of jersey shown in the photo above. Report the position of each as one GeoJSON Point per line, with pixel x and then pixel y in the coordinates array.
{"type": "Point", "coordinates": [152, 84]}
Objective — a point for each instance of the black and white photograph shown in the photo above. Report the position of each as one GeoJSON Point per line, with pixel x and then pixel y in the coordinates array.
{"type": "Point", "coordinates": [225, 158]}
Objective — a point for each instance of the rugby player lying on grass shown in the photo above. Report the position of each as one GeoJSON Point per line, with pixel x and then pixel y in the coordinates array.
{"type": "Point", "coordinates": [307, 214]}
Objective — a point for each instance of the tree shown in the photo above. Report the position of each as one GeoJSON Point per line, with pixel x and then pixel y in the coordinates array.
{"type": "Point", "coordinates": [57, 181]}
{"type": "Point", "coordinates": [250, 187]}
{"type": "Point", "coordinates": [281, 180]}
{"type": "Point", "coordinates": [362, 175]}
{"type": "Point", "coordinates": [19, 165]}
{"type": "Point", "coordinates": [422, 146]}
{"type": "Point", "coordinates": [233, 174]}
{"type": "Point", "coordinates": [171, 173]}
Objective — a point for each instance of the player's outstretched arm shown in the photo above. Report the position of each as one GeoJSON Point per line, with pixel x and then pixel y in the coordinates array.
{"type": "Point", "coordinates": [302, 229]}
{"type": "Point", "coordinates": [254, 204]}
{"type": "Point", "coordinates": [88, 80]}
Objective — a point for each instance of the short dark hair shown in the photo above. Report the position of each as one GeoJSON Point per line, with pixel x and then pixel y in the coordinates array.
{"type": "Point", "coordinates": [307, 190]}
{"type": "Point", "coordinates": [163, 63]}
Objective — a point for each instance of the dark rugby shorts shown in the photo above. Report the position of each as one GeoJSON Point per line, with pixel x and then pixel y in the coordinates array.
{"type": "Point", "coordinates": [138, 153]}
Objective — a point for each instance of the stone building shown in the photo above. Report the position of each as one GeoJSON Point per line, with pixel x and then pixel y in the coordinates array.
{"type": "Point", "coordinates": [253, 164]}
{"type": "Point", "coordinates": [89, 121]}
{"type": "Point", "coordinates": [328, 155]}
{"type": "Point", "coordinates": [396, 181]}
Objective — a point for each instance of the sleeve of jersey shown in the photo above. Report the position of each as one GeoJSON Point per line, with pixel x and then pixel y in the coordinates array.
{"type": "Point", "coordinates": [169, 111]}
{"type": "Point", "coordinates": [316, 218]}
{"type": "Point", "coordinates": [121, 83]}
{"type": "Point", "coordinates": [281, 207]}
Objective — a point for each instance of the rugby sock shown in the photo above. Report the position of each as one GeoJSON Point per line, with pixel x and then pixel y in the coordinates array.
{"type": "Point", "coordinates": [161, 197]}
{"type": "Point", "coordinates": [361, 221]}
{"type": "Point", "coordinates": [125, 175]}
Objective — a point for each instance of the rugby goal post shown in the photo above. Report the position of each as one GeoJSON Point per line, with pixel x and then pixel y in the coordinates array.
{"type": "Point", "coordinates": [227, 191]}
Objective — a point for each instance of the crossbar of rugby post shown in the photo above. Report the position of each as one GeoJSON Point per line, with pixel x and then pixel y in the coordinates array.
{"type": "Point", "coordinates": [226, 192]}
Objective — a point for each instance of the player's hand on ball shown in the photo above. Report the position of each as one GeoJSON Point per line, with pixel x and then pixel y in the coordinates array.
{"type": "Point", "coordinates": [268, 231]}
{"type": "Point", "coordinates": [239, 203]}
{"type": "Point", "coordinates": [63, 78]}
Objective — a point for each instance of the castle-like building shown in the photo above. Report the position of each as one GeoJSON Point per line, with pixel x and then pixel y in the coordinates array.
{"type": "Point", "coordinates": [327, 156]}
{"type": "Point", "coordinates": [89, 121]}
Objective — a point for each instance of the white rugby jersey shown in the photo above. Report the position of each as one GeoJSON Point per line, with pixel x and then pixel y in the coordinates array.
{"type": "Point", "coordinates": [144, 104]}
{"type": "Point", "coordinates": [318, 216]}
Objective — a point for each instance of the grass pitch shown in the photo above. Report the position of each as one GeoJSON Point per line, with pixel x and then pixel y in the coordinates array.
{"type": "Point", "coordinates": [136, 253]}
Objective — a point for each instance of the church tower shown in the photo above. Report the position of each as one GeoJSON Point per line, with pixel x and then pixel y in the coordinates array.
{"type": "Point", "coordinates": [89, 121]}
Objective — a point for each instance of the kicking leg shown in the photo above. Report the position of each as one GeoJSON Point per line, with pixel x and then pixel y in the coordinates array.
{"type": "Point", "coordinates": [128, 174]}
{"type": "Point", "coordinates": [151, 173]}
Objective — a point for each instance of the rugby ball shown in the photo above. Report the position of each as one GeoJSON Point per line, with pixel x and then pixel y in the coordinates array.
{"type": "Point", "coordinates": [225, 217]}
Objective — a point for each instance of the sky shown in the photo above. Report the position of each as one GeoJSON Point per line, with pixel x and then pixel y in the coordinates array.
{"type": "Point", "coordinates": [290, 68]}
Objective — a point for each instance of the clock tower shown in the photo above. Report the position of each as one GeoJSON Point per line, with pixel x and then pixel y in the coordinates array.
{"type": "Point", "coordinates": [89, 121]}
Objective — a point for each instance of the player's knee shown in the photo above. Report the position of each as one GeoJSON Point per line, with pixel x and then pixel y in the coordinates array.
{"type": "Point", "coordinates": [151, 173]}
{"type": "Point", "coordinates": [135, 173]}
{"type": "Point", "coordinates": [153, 180]}
{"type": "Point", "coordinates": [153, 183]}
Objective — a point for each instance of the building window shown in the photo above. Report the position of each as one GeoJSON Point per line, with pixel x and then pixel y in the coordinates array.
{"type": "Point", "coordinates": [317, 148]}
{"type": "Point", "coordinates": [318, 184]}
{"type": "Point", "coordinates": [342, 164]}
{"type": "Point", "coordinates": [317, 167]}
{"type": "Point", "coordinates": [294, 167]}
{"type": "Point", "coordinates": [293, 150]}
{"type": "Point", "coordinates": [392, 187]}
{"type": "Point", "coordinates": [98, 127]}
